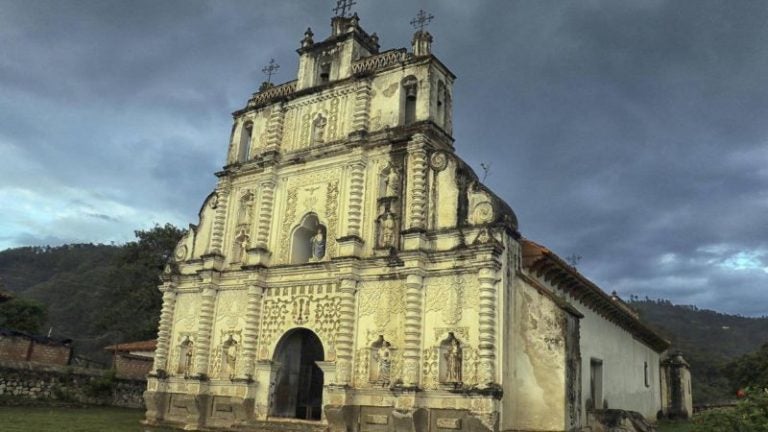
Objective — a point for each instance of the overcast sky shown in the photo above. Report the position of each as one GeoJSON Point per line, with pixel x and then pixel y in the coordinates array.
{"type": "Point", "coordinates": [631, 133]}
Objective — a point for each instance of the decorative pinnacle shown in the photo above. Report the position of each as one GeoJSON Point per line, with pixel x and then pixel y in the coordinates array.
{"type": "Point", "coordinates": [270, 69]}
{"type": "Point", "coordinates": [343, 6]}
{"type": "Point", "coordinates": [422, 20]}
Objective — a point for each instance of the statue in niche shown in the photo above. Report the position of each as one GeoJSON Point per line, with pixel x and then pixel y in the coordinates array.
{"type": "Point", "coordinates": [185, 357]}
{"type": "Point", "coordinates": [383, 358]}
{"type": "Point", "coordinates": [230, 355]}
{"type": "Point", "coordinates": [240, 246]}
{"type": "Point", "coordinates": [387, 237]}
{"type": "Point", "coordinates": [391, 182]}
{"type": "Point", "coordinates": [318, 245]}
{"type": "Point", "coordinates": [246, 208]}
{"type": "Point", "coordinates": [318, 130]}
{"type": "Point", "coordinates": [453, 360]}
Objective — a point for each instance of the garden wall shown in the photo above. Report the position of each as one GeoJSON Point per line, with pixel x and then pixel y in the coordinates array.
{"type": "Point", "coordinates": [22, 382]}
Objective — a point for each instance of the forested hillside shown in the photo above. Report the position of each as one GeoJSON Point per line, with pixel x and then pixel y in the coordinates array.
{"type": "Point", "coordinates": [709, 340]}
{"type": "Point", "coordinates": [94, 294]}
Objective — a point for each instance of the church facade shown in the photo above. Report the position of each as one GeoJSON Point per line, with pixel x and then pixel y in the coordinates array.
{"type": "Point", "coordinates": [351, 273]}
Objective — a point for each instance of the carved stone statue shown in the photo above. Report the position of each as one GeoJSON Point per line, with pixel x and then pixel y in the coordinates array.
{"type": "Point", "coordinates": [230, 355]}
{"type": "Point", "coordinates": [387, 238]}
{"type": "Point", "coordinates": [319, 130]}
{"type": "Point", "coordinates": [453, 359]}
{"type": "Point", "coordinates": [384, 358]}
{"type": "Point", "coordinates": [240, 246]}
{"type": "Point", "coordinates": [392, 183]}
{"type": "Point", "coordinates": [318, 245]}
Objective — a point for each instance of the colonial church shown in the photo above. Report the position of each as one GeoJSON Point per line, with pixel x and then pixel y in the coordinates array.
{"type": "Point", "coordinates": [351, 273]}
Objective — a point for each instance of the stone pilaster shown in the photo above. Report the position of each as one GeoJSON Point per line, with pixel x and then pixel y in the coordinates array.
{"type": "Point", "coordinates": [417, 166]}
{"type": "Point", "coordinates": [204, 328]}
{"type": "Point", "coordinates": [219, 218]}
{"type": "Point", "coordinates": [360, 114]}
{"type": "Point", "coordinates": [356, 186]}
{"type": "Point", "coordinates": [344, 340]}
{"type": "Point", "coordinates": [413, 311]}
{"type": "Point", "coordinates": [265, 213]}
{"type": "Point", "coordinates": [250, 337]}
{"type": "Point", "coordinates": [487, 276]}
{"type": "Point", "coordinates": [275, 129]}
{"type": "Point", "coordinates": [164, 329]}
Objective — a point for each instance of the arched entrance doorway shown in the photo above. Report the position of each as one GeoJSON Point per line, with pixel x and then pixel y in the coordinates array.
{"type": "Point", "coordinates": [298, 386]}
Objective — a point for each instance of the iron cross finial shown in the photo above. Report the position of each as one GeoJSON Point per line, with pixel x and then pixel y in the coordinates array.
{"type": "Point", "coordinates": [422, 20]}
{"type": "Point", "coordinates": [270, 69]}
{"type": "Point", "coordinates": [343, 6]}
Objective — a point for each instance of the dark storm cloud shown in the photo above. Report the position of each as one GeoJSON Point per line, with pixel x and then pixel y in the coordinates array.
{"type": "Point", "coordinates": [630, 133]}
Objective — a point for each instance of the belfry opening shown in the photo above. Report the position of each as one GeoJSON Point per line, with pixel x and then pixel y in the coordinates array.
{"type": "Point", "coordinates": [297, 391]}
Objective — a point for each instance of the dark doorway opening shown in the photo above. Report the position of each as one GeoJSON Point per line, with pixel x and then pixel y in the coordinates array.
{"type": "Point", "coordinates": [298, 385]}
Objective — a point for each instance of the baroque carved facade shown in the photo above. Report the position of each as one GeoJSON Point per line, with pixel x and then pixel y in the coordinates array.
{"type": "Point", "coordinates": [350, 269]}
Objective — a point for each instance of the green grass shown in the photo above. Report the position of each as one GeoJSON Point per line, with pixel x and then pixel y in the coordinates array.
{"type": "Point", "coordinates": [92, 419]}
{"type": "Point", "coordinates": [675, 426]}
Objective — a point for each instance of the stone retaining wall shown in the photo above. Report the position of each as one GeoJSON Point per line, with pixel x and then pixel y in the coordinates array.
{"type": "Point", "coordinates": [24, 381]}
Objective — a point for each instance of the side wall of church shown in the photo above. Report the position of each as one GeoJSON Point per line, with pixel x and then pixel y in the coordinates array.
{"type": "Point", "coordinates": [625, 382]}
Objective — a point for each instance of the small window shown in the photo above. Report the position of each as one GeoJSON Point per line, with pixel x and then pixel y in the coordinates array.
{"type": "Point", "coordinates": [647, 375]}
{"type": "Point", "coordinates": [325, 72]}
{"type": "Point", "coordinates": [410, 93]}
{"type": "Point", "coordinates": [243, 153]}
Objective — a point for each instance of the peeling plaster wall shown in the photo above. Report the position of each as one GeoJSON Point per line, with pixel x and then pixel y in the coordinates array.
{"type": "Point", "coordinates": [535, 384]}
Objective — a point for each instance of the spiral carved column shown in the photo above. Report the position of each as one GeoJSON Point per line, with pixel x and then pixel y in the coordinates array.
{"type": "Point", "coordinates": [217, 231]}
{"type": "Point", "coordinates": [275, 128]}
{"type": "Point", "coordinates": [488, 314]}
{"type": "Point", "coordinates": [251, 334]}
{"type": "Point", "coordinates": [265, 213]}
{"type": "Point", "coordinates": [164, 329]}
{"type": "Point", "coordinates": [412, 348]}
{"type": "Point", "coordinates": [344, 340]}
{"type": "Point", "coordinates": [204, 328]}
{"type": "Point", "coordinates": [417, 161]}
{"type": "Point", "coordinates": [362, 106]}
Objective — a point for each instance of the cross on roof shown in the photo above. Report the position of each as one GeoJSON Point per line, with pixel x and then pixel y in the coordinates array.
{"type": "Point", "coordinates": [422, 20]}
{"type": "Point", "coordinates": [342, 6]}
{"type": "Point", "coordinates": [270, 69]}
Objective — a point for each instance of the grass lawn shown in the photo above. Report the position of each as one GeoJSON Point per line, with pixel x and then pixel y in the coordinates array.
{"type": "Point", "coordinates": [95, 419]}
{"type": "Point", "coordinates": [671, 426]}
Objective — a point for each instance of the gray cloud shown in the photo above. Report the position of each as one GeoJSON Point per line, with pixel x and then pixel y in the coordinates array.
{"type": "Point", "coordinates": [631, 133]}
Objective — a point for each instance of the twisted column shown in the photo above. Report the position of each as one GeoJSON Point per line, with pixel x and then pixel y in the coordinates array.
{"type": "Point", "coordinates": [251, 334]}
{"type": "Point", "coordinates": [412, 348]}
{"type": "Point", "coordinates": [356, 185]}
{"type": "Point", "coordinates": [219, 217]}
{"type": "Point", "coordinates": [204, 328]}
{"type": "Point", "coordinates": [265, 213]}
{"type": "Point", "coordinates": [344, 340]}
{"type": "Point", "coordinates": [362, 106]}
{"type": "Point", "coordinates": [417, 162]}
{"type": "Point", "coordinates": [164, 329]}
{"type": "Point", "coordinates": [488, 305]}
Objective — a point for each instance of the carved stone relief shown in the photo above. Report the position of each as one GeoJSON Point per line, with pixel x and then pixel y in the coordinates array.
{"type": "Point", "coordinates": [450, 295]}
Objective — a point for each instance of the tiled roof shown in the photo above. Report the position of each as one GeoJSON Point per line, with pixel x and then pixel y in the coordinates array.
{"type": "Point", "coordinates": [148, 345]}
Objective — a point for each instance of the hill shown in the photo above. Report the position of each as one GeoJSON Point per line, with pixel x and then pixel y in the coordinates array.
{"type": "Point", "coordinates": [709, 340]}
{"type": "Point", "coordinates": [96, 295]}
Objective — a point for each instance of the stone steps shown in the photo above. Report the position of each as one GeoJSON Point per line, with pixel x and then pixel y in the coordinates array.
{"type": "Point", "coordinates": [284, 426]}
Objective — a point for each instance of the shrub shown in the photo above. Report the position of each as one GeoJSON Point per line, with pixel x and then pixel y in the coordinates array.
{"type": "Point", "coordinates": [749, 415]}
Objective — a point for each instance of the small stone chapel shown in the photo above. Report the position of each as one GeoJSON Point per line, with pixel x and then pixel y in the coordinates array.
{"type": "Point", "coordinates": [351, 273]}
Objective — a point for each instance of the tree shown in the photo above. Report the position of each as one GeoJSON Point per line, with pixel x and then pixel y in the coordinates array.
{"type": "Point", "coordinates": [23, 315]}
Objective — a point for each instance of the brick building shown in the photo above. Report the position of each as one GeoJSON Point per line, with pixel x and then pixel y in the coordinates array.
{"type": "Point", "coordinates": [19, 346]}
{"type": "Point", "coordinates": [133, 360]}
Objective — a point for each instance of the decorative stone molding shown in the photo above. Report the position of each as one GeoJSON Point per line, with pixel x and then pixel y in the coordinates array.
{"type": "Point", "coordinates": [487, 276]}
{"type": "Point", "coordinates": [360, 115]}
{"type": "Point", "coordinates": [204, 328]}
{"type": "Point", "coordinates": [250, 338]}
{"type": "Point", "coordinates": [217, 231]}
{"type": "Point", "coordinates": [265, 213]}
{"type": "Point", "coordinates": [164, 330]}
{"type": "Point", "coordinates": [412, 348]}
{"type": "Point", "coordinates": [275, 128]}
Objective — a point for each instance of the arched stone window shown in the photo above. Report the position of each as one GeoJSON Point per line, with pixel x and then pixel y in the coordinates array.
{"type": "Point", "coordinates": [243, 152]}
{"type": "Point", "coordinates": [410, 92]}
{"type": "Point", "coordinates": [308, 240]}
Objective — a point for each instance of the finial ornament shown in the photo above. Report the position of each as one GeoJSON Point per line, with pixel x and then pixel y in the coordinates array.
{"type": "Point", "coordinates": [270, 70]}
{"type": "Point", "coordinates": [343, 6]}
{"type": "Point", "coordinates": [422, 20]}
